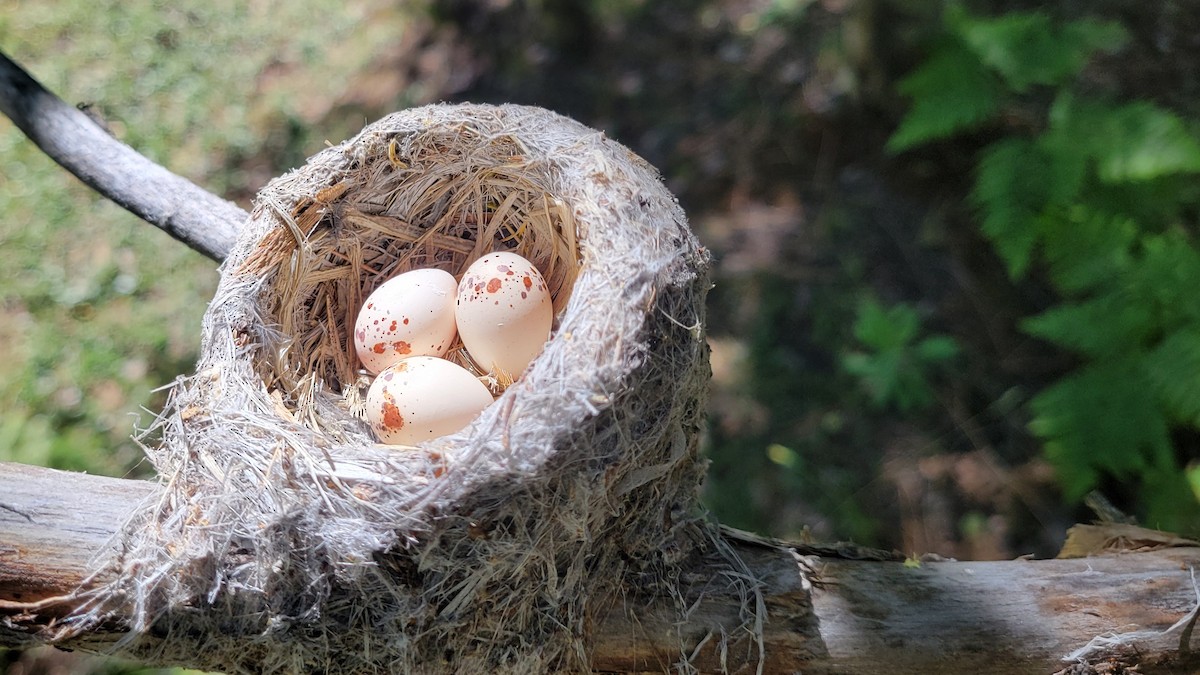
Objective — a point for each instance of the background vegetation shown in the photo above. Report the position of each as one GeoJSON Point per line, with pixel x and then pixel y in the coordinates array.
{"type": "Point", "coordinates": [956, 242]}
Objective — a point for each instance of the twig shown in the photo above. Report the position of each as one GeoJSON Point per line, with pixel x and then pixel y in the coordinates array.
{"type": "Point", "coordinates": [1185, 638]}
{"type": "Point", "coordinates": [198, 218]}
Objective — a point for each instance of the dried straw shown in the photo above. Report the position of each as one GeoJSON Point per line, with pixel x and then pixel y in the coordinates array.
{"type": "Point", "coordinates": [287, 540]}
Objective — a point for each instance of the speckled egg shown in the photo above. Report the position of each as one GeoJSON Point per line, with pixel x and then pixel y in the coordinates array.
{"type": "Point", "coordinates": [409, 315]}
{"type": "Point", "coordinates": [504, 312]}
{"type": "Point", "coordinates": [423, 397]}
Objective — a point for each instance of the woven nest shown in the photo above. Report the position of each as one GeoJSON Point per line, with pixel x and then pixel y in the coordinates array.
{"type": "Point", "coordinates": [288, 540]}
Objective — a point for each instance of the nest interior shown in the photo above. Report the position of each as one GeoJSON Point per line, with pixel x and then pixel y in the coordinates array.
{"type": "Point", "coordinates": [287, 540]}
{"type": "Point", "coordinates": [427, 200]}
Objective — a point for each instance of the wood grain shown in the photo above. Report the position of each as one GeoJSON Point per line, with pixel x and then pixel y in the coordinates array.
{"type": "Point", "coordinates": [1000, 617]}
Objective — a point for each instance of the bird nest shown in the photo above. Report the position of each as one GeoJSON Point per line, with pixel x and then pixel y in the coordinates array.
{"type": "Point", "coordinates": [287, 539]}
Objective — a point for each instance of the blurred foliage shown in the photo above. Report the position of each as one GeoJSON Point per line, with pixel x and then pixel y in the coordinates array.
{"type": "Point", "coordinates": [1100, 196]}
{"type": "Point", "coordinates": [896, 363]}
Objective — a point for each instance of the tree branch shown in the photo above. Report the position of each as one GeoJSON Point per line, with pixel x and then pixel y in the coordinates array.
{"type": "Point", "coordinates": [865, 616]}
{"type": "Point", "coordinates": [198, 218]}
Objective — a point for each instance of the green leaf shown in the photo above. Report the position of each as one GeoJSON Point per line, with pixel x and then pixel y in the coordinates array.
{"type": "Point", "coordinates": [1173, 369]}
{"type": "Point", "coordinates": [1026, 49]}
{"type": "Point", "coordinates": [951, 92]}
{"type": "Point", "coordinates": [1013, 184]}
{"type": "Point", "coordinates": [1169, 502]}
{"type": "Point", "coordinates": [875, 374]}
{"type": "Point", "coordinates": [1088, 36]}
{"type": "Point", "coordinates": [1134, 142]}
{"type": "Point", "coordinates": [1085, 248]}
{"type": "Point", "coordinates": [1166, 279]}
{"type": "Point", "coordinates": [1142, 142]}
{"type": "Point", "coordinates": [936, 349]}
{"type": "Point", "coordinates": [1102, 327]}
{"type": "Point", "coordinates": [885, 328]}
{"type": "Point", "coordinates": [895, 370]}
{"type": "Point", "coordinates": [1193, 478]}
{"type": "Point", "coordinates": [1064, 160]}
{"type": "Point", "coordinates": [1147, 293]}
{"type": "Point", "coordinates": [1101, 420]}
{"type": "Point", "coordinates": [890, 378]}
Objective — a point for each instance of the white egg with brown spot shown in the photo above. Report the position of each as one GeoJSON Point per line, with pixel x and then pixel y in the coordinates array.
{"type": "Point", "coordinates": [411, 314]}
{"type": "Point", "coordinates": [504, 312]}
{"type": "Point", "coordinates": [423, 397]}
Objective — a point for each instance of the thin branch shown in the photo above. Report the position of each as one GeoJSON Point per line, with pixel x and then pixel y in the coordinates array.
{"type": "Point", "coordinates": [198, 218]}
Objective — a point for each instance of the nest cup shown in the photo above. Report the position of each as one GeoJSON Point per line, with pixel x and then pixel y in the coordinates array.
{"type": "Point", "coordinates": [307, 545]}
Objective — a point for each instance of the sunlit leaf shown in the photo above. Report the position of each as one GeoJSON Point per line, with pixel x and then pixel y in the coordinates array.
{"type": "Point", "coordinates": [1143, 141]}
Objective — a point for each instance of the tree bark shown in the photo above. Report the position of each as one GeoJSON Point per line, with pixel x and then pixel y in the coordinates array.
{"type": "Point", "coordinates": [865, 616]}
{"type": "Point", "coordinates": [198, 218]}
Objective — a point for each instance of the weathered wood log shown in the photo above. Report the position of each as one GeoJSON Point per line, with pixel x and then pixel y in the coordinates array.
{"type": "Point", "coordinates": [863, 617]}
{"type": "Point", "coordinates": [198, 218]}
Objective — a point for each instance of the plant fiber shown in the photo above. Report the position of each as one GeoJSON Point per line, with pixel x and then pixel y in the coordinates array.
{"type": "Point", "coordinates": [288, 540]}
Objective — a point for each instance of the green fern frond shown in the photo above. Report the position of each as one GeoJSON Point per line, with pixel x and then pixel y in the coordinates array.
{"type": "Point", "coordinates": [1104, 196]}
{"type": "Point", "coordinates": [1149, 289]}
{"type": "Point", "coordinates": [1173, 369]}
{"type": "Point", "coordinates": [1010, 192]}
{"type": "Point", "coordinates": [1166, 279]}
{"type": "Point", "coordinates": [951, 92]}
{"type": "Point", "coordinates": [1145, 142]}
{"type": "Point", "coordinates": [1086, 248]}
{"type": "Point", "coordinates": [1027, 49]}
{"type": "Point", "coordinates": [1106, 326]}
{"type": "Point", "coordinates": [1100, 419]}
{"type": "Point", "coordinates": [1134, 142]}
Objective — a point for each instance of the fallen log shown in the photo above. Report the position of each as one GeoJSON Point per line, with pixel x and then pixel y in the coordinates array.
{"type": "Point", "coordinates": [864, 616]}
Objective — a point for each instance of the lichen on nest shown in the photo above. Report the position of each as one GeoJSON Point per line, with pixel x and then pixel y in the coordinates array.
{"type": "Point", "coordinates": [287, 540]}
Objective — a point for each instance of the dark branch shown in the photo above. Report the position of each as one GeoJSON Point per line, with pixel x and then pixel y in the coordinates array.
{"type": "Point", "coordinates": [198, 218]}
